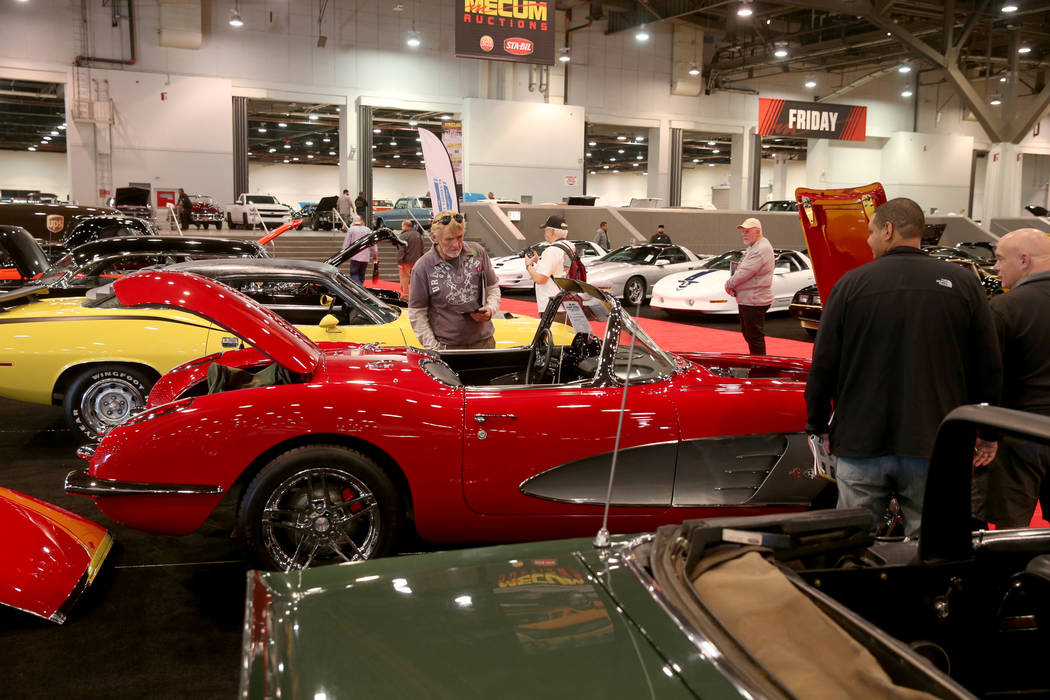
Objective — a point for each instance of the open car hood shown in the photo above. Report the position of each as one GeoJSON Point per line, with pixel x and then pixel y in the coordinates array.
{"type": "Point", "coordinates": [293, 224]}
{"type": "Point", "coordinates": [26, 254]}
{"type": "Point", "coordinates": [835, 224]}
{"type": "Point", "coordinates": [131, 197]}
{"type": "Point", "coordinates": [380, 234]}
{"type": "Point", "coordinates": [266, 331]}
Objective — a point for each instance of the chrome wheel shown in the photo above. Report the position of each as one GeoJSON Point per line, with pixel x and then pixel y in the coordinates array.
{"type": "Point", "coordinates": [634, 290]}
{"type": "Point", "coordinates": [320, 515]}
{"type": "Point", "coordinates": [104, 397]}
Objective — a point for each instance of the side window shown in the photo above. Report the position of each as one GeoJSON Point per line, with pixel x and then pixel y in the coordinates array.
{"type": "Point", "coordinates": [401, 204]}
{"type": "Point", "coordinates": [787, 263]}
{"type": "Point", "coordinates": [673, 254]}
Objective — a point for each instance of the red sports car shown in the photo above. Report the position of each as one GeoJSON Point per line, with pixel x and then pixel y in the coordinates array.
{"type": "Point", "coordinates": [342, 450]}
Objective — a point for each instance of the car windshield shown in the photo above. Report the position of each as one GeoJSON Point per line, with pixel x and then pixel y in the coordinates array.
{"type": "Point", "coordinates": [262, 199]}
{"type": "Point", "coordinates": [366, 299]}
{"type": "Point", "coordinates": [202, 199]}
{"type": "Point", "coordinates": [63, 268]}
{"type": "Point", "coordinates": [724, 261]}
{"type": "Point", "coordinates": [634, 254]}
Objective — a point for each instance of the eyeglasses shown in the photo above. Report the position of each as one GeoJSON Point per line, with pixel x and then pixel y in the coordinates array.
{"type": "Point", "coordinates": [447, 219]}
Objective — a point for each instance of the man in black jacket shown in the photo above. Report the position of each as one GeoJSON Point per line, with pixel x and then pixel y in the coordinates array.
{"type": "Point", "coordinates": [903, 340]}
{"type": "Point", "coordinates": [1006, 493]}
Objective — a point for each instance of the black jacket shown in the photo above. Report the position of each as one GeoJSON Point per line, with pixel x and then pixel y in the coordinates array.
{"type": "Point", "coordinates": [1022, 321]}
{"type": "Point", "coordinates": [903, 340]}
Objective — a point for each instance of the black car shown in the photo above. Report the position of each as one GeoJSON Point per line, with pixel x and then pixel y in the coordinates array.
{"type": "Point", "coordinates": [51, 223]}
{"type": "Point", "coordinates": [779, 205]}
{"type": "Point", "coordinates": [99, 262]}
{"type": "Point", "coordinates": [95, 228]}
{"type": "Point", "coordinates": [21, 257]}
{"type": "Point", "coordinates": [132, 201]}
{"type": "Point", "coordinates": [324, 216]}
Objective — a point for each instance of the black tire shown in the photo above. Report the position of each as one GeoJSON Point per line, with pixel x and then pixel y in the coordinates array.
{"type": "Point", "coordinates": [634, 291]}
{"type": "Point", "coordinates": [244, 221]}
{"type": "Point", "coordinates": [104, 396]}
{"type": "Point", "coordinates": [229, 221]}
{"type": "Point", "coordinates": [316, 488]}
{"type": "Point", "coordinates": [379, 222]}
{"type": "Point", "coordinates": [811, 332]}
{"type": "Point", "coordinates": [205, 225]}
{"type": "Point", "coordinates": [218, 226]}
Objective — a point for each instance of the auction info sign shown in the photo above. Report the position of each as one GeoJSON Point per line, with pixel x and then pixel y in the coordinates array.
{"type": "Point", "coordinates": [811, 120]}
{"type": "Point", "coordinates": [506, 30]}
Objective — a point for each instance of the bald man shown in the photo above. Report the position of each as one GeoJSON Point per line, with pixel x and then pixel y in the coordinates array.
{"type": "Point", "coordinates": [1017, 476]}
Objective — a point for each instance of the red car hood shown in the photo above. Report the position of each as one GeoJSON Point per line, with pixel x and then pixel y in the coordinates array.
{"type": "Point", "coordinates": [269, 333]}
{"type": "Point", "coordinates": [835, 223]}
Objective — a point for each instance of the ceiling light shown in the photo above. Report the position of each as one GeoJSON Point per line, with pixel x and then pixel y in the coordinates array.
{"type": "Point", "coordinates": [295, 158]}
{"type": "Point", "coordinates": [413, 39]}
{"type": "Point", "coordinates": [235, 18]}
{"type": "Point", "coordinates": [642, 34]}
{"type": "Point", "coordinates": [373, 160]}
{"type": "Point", "coordinates": [715, 150]}
{"type": "Point", "coordinates": [417, 140]}
{"type": "Point", "coordinates": [287, 145]}
{"type": "Point", "coordinates": [32, 148]}
{"type": "Point", "coordinates": [313, 117]}
{"type": "Point", "coordinates": [396, 155]}
{"type": "Point", "coordinates": [446, 116]}
{"type": "Point", "coordinates": [563, 54]}
{"type": "Point", "coordinates": [744, 10]}
{"type": "Point", "coordinates": [331, 153]}
{"type": "Point", "coordinates": [393, 143]}
{"type": "Point", "coordinates": [621, 137]}
{"type": "Point", "coordinates": [262, 129]}
{"type": "Point", "coordinates": [387, 165]}
{"type": "Point", "coordinates": [1008, 8]}
{"type": "Point", "coordinates": [326, 139]}
{"type": "Point", "coordinates": [696, 160]}
{"type": "Point", "coordinates": [811, 83]}
{"type": "Point", "coordinates": [694, 69]}
{"type": "Point", "coordinates": [43, 143]}
{"type": "Point", "coordinates": [906, 92]}
{"type": "Point", "coordinates": [593, 172]}
{"type": "Point", "coordinates": [710, 143]}
{"type": "Point", "coordinates": [710, 165]}
{"type": "Point", "coordinates": [1002, 79]}
{"type": "Point", "coordinates": [620, 151]}
{"type": "Point", "coordinates": [62, 125]}
{"type": "Point", "coordinates": [413, 122]}
{"type": "Point", "coordinates": [645, 173]}
{"type": "Point", "coordinates": [272, 150]}
{"type": "Point", "coordinates": [282, 125]}
{"type": "Point", "coordinates": [376, 131]}
{"type": "Point", "coordinates": [309, 155]}
{"type": "Point", "coordinates": [996, 101]}
{"type": "Point", "coordinates": [612, 160]}
{"type": "Point", "coordinates": [419, 153]}
{"type": "Point", "coordinates": [1024, 49]}
{"type": "Point", "coordinates": [904, 68]}
{"type": "Point", "coordinates": [605, 167]}
{"type": "Point", "coordinates": [616, 171]}
{"type": "Point", "coordinates": [592, 143]}
{"type": "Point", "coordinates": [373, 147]}
{"type": "Point", "coordinates": [639, 158]}
{"type": "Point", "coordinates": [287, 161]}
{"type": "Point", "coordinates": [47, 138]}
{"type": "Point", "coordinates": [588, 154]}
{"type": "Point", "coordinates": [54, 133]}
{"type": "Point", "coordinates": [635, 165]}
{"type": "Point", "coordinates": [639, 139]}
{"type": "Point", "coordinates": [309, 143]}
{"type": "Point", "coordinates": [780, 53]}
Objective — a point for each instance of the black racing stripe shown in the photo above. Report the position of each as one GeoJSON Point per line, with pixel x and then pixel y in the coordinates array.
{"type": "Point", "coordinates": [49, 319]}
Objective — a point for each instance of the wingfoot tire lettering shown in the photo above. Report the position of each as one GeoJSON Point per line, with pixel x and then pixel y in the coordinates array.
{"type": "Point", "coordinates": [103, 397]}
{"type": "Point", "coordinates": [320, 504]}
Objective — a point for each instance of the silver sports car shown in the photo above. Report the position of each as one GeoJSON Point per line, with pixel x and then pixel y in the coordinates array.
{"type": "Point", "coordinates": [630, 272]}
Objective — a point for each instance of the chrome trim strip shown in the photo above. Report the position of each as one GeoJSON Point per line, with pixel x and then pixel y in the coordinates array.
{"type": "Point", "coordinates": [79, 482]}
{"type": "Point", "coordinates": [86, 451]}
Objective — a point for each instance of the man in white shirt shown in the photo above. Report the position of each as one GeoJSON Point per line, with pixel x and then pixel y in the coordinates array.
{"type": "Point", "coordinates": [551, 264]}
{"type": "Point", "coordinates": [752, 285]}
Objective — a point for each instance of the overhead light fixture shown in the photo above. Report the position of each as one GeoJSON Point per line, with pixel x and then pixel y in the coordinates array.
{"type": "Point", "coordinates": [262, 129]}
{"type": "Point", "coordinates": [287, 145]}
{"type": "Point", "coordinates": [694, 69]}
{"type": "Point", "coordinates": [413, 122]}
{"type": "Point", "coordinates": [321, 41]}
{"type": "Point", "coordinates": [387, 165]}
{"type": "Point", "coordinates": [639, 158]}
{"type": "Point", "coordinates": [620, 151]}
{"type": "Point", "coordinates": [588, 154]}
{"type": "Point", "coordinates": [62, 125]}
{"type": "Point", "coordinates": [413, 40]}
{"type": "Point", "coordinates": [904, 68]}
{"type": "Point", "coordinates": [642, 34]}
{"type": "Point", "coordinates": [605, 167]}
{"type": "Point", "coordinates": [419, 153]}
{"type": "Point", "coordinates": [1008, 8]}
{"type": "Point", "coordinates": [635, 165]}
{"type": "Point", "coordinates": [811, 83]}
{"type": "Point", "coordinates": [282, 125]}
{"type": "Point", "coordinates": [906, 92]}
{"type": "Point", "coordinates": [710, 143]}
{"type": "Point", "coordinates": [715, 150]}
{"type": "Point", "coordinates": [326, 139]}
{"type": "Point", "coordinates": [639, 139]}
{"type": "Point", "coordinates": [1024, 49]}
{"type": "Point", "coordinates": [696, 160]}
{"type": "Point", "coordinates": [273, 150]}
{"type": "Point", "coordinates": [54, 133]}
{"type": "Point", "coordinates": [592, 143]}
{"type": "Point", "coordinates": [235, 18]}
{"type": "Point", "coordinates": [376, 131]}
{"type": "Point", "coordinates": [744, 10]}
{"type": "Point", "coordinates": [710, 165]}
{"type": "Point", "coordinates": [446, 116]}
{"type": "Point", "coordinates": [780, 53]}
{"type": "Point", "coordinates": [313, 117]}
{"type": "Point", "coordinates": [563, 54]}
{"type": "Point", "coordinates": [996, 101]}
{"type": "Point", "coordinates": [1002, 79]}
{"type": "Point", "coordinates": [397, 155]}
{"type": "Point", "coordinates": [287, 161]}
{"type": "Point", "coordinates": [373, 159]}
{"type": "Point", "coordinates": [31, 148]}
{"type": "Point", "coordinates": [612, 160]}
{"type": "Point", "coordinates": [47, 138]}
{"type": "Point", "coordinates": [621, 137]}
{"type": "Point", "coordinates": [393, 143]}
{"type": "Point", "coordinates": [593, 172]}
{"type": "Point", "coordinates": [331, 153]}
{"type": "Point", "coordinates": [309, 143]}
{"type": "Point", "coordinates": [309, 155]}
{"type": "Point", "coordinates": [295, 158]}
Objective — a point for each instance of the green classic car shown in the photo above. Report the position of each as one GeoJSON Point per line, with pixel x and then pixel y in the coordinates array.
{"type": "Point", "coordinates": [776, 606]}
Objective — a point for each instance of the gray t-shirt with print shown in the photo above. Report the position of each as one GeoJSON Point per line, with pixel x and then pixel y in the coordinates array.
{"type": "Point", "coordinates": [450, 290]}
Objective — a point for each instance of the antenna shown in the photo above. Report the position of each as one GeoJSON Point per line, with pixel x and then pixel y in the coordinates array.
{"type": "Point", "coordinates": [601, 540]}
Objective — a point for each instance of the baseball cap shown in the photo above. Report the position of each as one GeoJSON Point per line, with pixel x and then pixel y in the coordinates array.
{"type": "Point", "coordinates": [554, 221]}
{"type": "Point", "coordinates": [751, 222]}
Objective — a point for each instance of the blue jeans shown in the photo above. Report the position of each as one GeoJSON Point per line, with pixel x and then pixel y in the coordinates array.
{"type": "Point", "coordinates": [357, 271]}
{"type": "Point", "coordinates": [870, 482]}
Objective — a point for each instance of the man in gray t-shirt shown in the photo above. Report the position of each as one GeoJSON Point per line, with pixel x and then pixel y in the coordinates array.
{"type": "Point", "coordinates": [408, 255]}
{"type": "Point", "coordinates": [454, 290]}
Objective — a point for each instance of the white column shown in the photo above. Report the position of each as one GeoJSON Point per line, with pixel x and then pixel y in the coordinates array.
{"type": "Point", "coordinates": [817, 155]}
{"type": "Point", "coordinates": [658, 182]}
{"type": "Point", "coordinates": [780, 170]}
{"type": "Point", "coordinates": [1002, 182]}
{"type": "Point", "coordinates": [740, 174]}
{"type": "Point", "coordinates": [349, 149]}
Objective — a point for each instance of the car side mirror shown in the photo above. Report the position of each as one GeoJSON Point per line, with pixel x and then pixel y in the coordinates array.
{"type": "Point", "coordinates": [330, 323]}
{"type": "Point", "coordinates": [326, 300]}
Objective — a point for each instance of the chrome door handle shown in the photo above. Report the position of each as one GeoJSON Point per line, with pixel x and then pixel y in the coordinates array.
{"type": "Point", "coordinates": [482, 417]}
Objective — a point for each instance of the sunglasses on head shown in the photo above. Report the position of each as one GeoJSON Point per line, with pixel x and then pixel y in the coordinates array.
{"type": "Point", "coordinates": [447, 219]}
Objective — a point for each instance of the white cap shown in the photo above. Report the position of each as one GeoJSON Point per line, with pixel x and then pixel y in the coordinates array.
{"type": "Point", "coordinates": [751, 222]}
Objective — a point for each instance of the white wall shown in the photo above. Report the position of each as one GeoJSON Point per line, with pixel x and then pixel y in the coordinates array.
{"type": "Point", "coordinates": [25, 170]}
{"type": "Point", "coordinates": [616, 190]}
{"type": "Point", "coordinates": [1035, 179]}
{"type": "Point", "coordinates": [391, 183]}
{"type": "Point", "coordinates": [294, 183]}
{"type": "Point", "coordinates": [795, 173]}
{"type": "Point", "coordinates": [523, 149]}
{"type": "Point", "coordinates": [932, 169]}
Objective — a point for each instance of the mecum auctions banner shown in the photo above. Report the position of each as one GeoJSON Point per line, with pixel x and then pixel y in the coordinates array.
{"type": "Point", "coordinates": [812, 120]}
{"type": "Point", "coordinates": [506, 30]}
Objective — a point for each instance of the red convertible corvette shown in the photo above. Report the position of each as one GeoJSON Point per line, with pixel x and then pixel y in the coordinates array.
{"type": "Point", "coordinates": [337, 451]}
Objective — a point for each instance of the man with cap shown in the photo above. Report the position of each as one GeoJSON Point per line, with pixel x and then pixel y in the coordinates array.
{"type": "Point", "coordinates": [541, 268]}
{"type": "Point", "coordinates": [752, 285]}
{"type": "Point", "coordinates": [660, 236]}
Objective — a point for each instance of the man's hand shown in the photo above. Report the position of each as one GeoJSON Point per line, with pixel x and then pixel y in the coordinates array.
{"type": "Point", "coordinates": [984, 452]}
{"type": "Point", "coordinates": [531, 258]}
{"type": "Point", "coordinates": [481, 315]}
{"type": "Point", "coordinates": [825, 442]}
{"type": "Point", "coordinates": [729, 291]}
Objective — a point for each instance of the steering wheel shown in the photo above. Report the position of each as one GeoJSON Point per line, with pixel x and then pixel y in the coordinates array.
{"type": "Point", "coordinates": [539, 356]}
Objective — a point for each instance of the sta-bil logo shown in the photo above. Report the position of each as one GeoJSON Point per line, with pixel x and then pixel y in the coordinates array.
{"type": "Point", "coordinates": [518, 46]}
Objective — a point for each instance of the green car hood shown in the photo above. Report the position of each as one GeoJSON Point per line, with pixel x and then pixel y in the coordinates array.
{"type": "Point", "coordinates": [529, 620]}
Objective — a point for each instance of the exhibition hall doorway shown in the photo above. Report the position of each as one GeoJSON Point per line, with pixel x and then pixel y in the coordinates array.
{"type": "Point", "coordinates": [397, 166]}
{"type": "Point", "coordinates": [616, 163]}
{"type": "Point", "coordinates": [33, 160]}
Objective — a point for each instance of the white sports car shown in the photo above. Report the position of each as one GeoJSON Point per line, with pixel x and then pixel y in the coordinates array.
{"type": "Point", "coordinates": [704, 291]}
{"type": "Point", "coordinates": [510, 269]}
{"type": "Point", "coordinates": [631, 271]}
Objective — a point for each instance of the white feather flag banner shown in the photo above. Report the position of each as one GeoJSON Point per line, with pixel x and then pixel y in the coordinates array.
{"type": "Point", "coordinates": [440, 179]}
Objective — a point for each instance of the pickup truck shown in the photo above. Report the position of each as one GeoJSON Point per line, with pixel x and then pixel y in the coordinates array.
{"type": "Point", "coordinates": [252, 209]}
{"type": "Point", "coordinates": [411, 208]}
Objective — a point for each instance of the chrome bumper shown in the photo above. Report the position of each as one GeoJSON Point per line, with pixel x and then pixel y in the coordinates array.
{"type": "Point", "coordinates": [79, 482]}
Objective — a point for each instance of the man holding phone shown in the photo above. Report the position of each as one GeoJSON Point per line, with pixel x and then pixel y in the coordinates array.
{"type": "Point", "coordinates": [454, 290]}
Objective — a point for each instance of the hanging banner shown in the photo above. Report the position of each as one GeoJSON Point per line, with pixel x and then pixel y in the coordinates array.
{"type": "Point", "coordinates": [440, 180]}
{"type": "Point", "coordinates": [812, 120]}
{"type": "Point", "coordinates": [452, 137]}
{"type": "Point", "coordinates": [506, 30]}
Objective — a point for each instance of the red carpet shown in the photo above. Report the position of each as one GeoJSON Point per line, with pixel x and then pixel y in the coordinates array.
{"type": "Point", "coordinates": [669, 335]}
